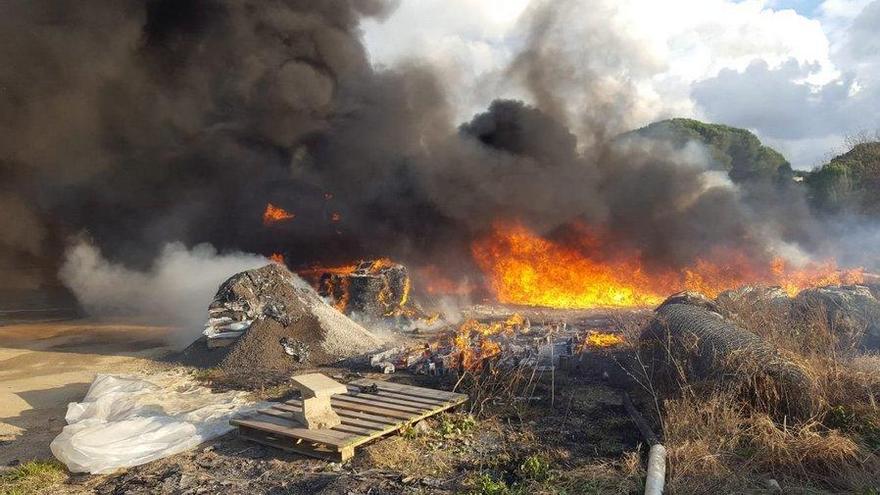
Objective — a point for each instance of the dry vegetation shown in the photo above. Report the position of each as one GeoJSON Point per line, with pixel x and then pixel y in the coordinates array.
{"type": "Point", "coordinates": [720, 443]}
{"type": "Point", "coordinates": [32, 478]}
{"type": "Point", "coordinates": [507, 447]}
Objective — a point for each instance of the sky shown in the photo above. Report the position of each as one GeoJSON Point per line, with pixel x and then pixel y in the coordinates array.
{"type": "Point", "coordinates": [804, 75]}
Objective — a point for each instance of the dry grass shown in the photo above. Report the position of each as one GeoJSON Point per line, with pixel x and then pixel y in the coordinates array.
{"type": "Point", "coordinates": [32, 478]}
{"type": "Point", "coordinates": [413, 456]}
{"type": "Point", "coordinates": [719, 442]}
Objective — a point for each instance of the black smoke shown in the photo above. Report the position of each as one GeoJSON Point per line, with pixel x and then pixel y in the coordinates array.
{"type": "Point", "coordinates": [143, 123]}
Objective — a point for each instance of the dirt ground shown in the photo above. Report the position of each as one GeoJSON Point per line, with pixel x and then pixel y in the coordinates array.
{"type": "Point", "coordinates": [44, 366]}
{"type": "Point", "coordinates": [583, 436]}
{"type": "Point", "coordinates": [583, 443]}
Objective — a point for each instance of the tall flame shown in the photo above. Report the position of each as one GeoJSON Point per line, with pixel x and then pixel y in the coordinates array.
{"type": "Point", "coordinates": [274, 214]}
{"type": "Point", "coordinates": [524, 268]}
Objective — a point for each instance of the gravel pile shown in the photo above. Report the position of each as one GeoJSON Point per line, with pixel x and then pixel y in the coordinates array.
{"type": "Point", "coordinates": [288, 327]}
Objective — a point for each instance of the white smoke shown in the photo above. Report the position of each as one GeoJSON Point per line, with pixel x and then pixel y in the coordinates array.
{"type": "Point", "coordinates": [175, 291]}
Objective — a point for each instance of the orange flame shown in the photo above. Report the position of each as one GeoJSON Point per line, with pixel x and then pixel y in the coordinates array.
{"type": "Point", "coordinates": [473, 340]}
{"type": "Point", "coordinates": [599, 339]}
{"type": "Point", "coordinates": [524, 268]}
{"type": "Point", "coordinates": [277, 258]}
{"type": "Point", "coordinates": [333, 282]}
{"type": "Point", "coordinates": [275, 214]}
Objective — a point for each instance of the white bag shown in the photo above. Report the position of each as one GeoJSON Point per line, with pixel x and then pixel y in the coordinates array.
{"type": "Point", "coordinates": [127, 421]}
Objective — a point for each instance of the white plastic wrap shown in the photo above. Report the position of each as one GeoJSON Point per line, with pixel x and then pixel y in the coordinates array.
{"type": "Point", "coordinates": [127, 421]}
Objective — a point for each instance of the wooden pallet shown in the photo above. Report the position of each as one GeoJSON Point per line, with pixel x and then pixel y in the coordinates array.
{"type": "Point", "coordinates": [366, 414]}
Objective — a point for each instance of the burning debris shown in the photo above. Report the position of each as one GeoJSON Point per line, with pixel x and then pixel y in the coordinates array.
{"type": "Point", "coordinates": [525, 268]}
{"type": "Point", "coordinates": [374, 289]}
{"type": "Point", "coordinates": [475, 346]}
{"type": "Point", "coordinates": [269, 322]}
{"type": "Point", "coordinates": [274, 214]}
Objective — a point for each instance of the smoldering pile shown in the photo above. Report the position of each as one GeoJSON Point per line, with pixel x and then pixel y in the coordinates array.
{"type": "Point", "coordinates": [265, 323]}
{"type": "Point", "coordinates": [371, 290]}
{"type": "Point", "coordinates": [507, 344]}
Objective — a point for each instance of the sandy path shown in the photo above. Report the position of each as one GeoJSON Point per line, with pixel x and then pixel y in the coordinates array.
{"type": "Point", "coordinates": [43, 366]}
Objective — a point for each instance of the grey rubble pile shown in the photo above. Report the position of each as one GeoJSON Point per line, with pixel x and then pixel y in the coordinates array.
{"type": "Point", "coordinates": [687, 336]}
{"type": "Point", "coordinates": [268, 321]}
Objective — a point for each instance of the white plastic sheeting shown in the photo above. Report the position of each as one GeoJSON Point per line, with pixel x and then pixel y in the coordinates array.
{"type": "Point", "coordinates": [127, 421]}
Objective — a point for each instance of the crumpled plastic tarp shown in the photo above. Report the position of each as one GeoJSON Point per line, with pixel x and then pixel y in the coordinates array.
{"type": "Point", "coordinates": [127, 421]}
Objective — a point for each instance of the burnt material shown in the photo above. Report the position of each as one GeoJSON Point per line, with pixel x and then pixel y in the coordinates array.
{"type": "Point", "coordinates": [687, 343]}
{"type": "Point", "coordinates": [376, 288]}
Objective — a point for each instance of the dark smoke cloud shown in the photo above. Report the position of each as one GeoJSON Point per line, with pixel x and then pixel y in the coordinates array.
{"type": "Point", "coordinates": [144, 123]}
{"type": "Point", "coordinates": [149, 122]}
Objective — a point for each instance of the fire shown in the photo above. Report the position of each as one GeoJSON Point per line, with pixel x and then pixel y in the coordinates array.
{"type": "Point", "coordinates": [474, 343]}
{"type": "Point", "coordinates": [274, 214]}
{"type": "Point", "coordinates": [524, 268]}
{"type": "Point", "coordinates": [599, 339]}
{"type": "Point", "coordinates": [277, 258]}
{"type": "Point", "coordinates": [335, 283]}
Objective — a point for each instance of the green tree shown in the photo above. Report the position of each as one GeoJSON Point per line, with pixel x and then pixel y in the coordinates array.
{"type": "Point", "coordinates": [736, 151]}
{"type": "Point", "coordinates": [849, 182]}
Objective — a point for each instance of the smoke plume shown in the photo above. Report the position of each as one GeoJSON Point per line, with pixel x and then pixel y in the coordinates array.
{"type": "Point", "coordinates": [176, 121]}
{"type": "Point", "coordinates": [175, 290]}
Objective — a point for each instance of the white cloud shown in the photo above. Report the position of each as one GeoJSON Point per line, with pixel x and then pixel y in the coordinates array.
{"type": "Point", "coordinates": [841, 10]}
{"type": "Point", "coordinates": [467, 40]}
{"type": "Point", "coordinates": [711, 59]}
{"type": "Point", "coordinates": [798, 117]}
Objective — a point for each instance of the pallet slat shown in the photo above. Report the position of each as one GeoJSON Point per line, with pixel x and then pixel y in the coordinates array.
{"type": "Point", "coordinates": [369, 401]}
{"type": "Point", "coordinates": [419, 401]}
{"type": "Point", "coordinates": [342, 428]}
{"type": "Point", "coordinates": [422, 392]}
{"type": "Point", "coordinates": [344, 412]}
{"type": "Point", "coordinates": [265, 423]}
{"type": "Point", "coordinates": [346, 420]}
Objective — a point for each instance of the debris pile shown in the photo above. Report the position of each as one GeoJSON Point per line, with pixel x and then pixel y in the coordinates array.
{"type": "Point", "coordinates": [752, 295]}
{"type": "Point", "coordinates": [507, 344]}
{"type": "Point", "coordinates": [268, 322]}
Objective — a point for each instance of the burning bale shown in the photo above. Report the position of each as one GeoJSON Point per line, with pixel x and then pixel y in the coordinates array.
{"type": "Point", "coordinates": [374, 289]}
{"type": "Point", "coordinates": [267, 322]}
{"type": "Point", "coordinates": [692, 341]}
